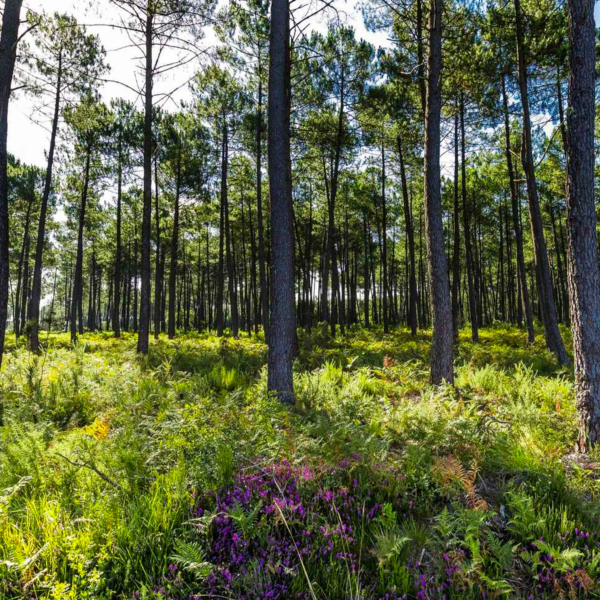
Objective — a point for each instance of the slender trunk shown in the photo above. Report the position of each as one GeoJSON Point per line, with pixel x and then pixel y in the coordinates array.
{"type": "Point", "coordinates": [262, 270]}
{"type": "Point", "coordinates": [144, 320]}
{"type": "Point", "coordinates": [21, 282]}
{"type": "Point", "coordinates": [583, 270]}
{"type": "Point", "coordinates": [117, 275]}
{"type": "Point", "coordinates": [442, 343]}
{"type": "Point", "coordinates": [384, 261]}
{"type": "Point", "coordinates": [553, 338]}
{"type": "Point", "coordinates": [521, 272]}
{"type": "Point", "coordinates": [221, 276]}
{"type": "Point", "coordinates": [233, 301]}
{"type": "Point", "coordinates": [283, 314]}
{"type": "Point", "coordinates": [157, 270]}
{"type": "Point", "coordinates": [33, 314]}
{"type": "Point", "coordinates": [471, 274]}
{"type": "Point", "coordinates": [78, 282]}
{"type": "Point", "coordinates": [456, 224]}
{"type": "Point", "coordinates": [174, 251]}
{"type": "Point", "coordinates": [8, 51]}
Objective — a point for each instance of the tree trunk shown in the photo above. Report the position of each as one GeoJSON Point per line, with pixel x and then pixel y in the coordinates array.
{"type": "Point", "coordinates": [229, 250]}
{"type": "Point", "coordinates": [471, 286]}
{"type": "Point", "coordinates": [442, 343]}
{"type": "Point", "coordinates": [262, 269]}
{"type": "Point", "coordinates": [174, 251]}
{"type": "Point", "coordinates": [583, 270]}
{"type": "Point", "coordinates": [22, 283]}
{"type": "Point", "coordinates": [78, 282]}
{"type": "Point", "coordinates": [553, 338]}
{"type": "Point", "coordinates": [33, 313]}
{"type": "Point", "coordinates": [117, 275]}
{"type": "Point", "coordinates": [144, 318]}
{"type": "Point", "coordinates": [283, 314]}
{"type": "Point", "coordinates": [158, 275]}
{"type": "Point", "coordinates": [514, 196]}
{"type": "Point", "coordinates": [8, 51]}
{"type": "Point", "coordinates": [456, 245]}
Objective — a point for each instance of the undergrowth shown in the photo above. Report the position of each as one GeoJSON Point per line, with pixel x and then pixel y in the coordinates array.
{"type": "Point", "coordinates": [177, 476]}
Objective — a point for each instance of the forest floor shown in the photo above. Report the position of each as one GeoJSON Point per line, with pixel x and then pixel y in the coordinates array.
{"type": "Point", "coordinates": [177, 477]}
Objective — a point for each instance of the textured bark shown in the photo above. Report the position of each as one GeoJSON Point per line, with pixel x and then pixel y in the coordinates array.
{"type": "Point", "coordinates": [220, 274]}
{"type": "Point", "coordinates": [78, 282]}
{"type": "Point", "coordinates": [442, 368]}
{"type": "Point", "coordinates": [144, 317]}
{"type": "Point", "coordinates": [553, 338]}
{"type": "Point", "coordinates": [283, 318]}
{"type": "Point", "coordinates": [233, 301]}
{"type": "Point", "coordinates": [410, 233]}
{"type": "Point", "coordinates": [23, 275]}
{"type": "Point", "coordinates": [514, 196]}
{"type": "Point", "coordinates": [174, 251]}
{"type": "Point", "coordinates": [33, 313]}
{"type": "Point", "coordinates": [583, 270]}
{"type": "Point", "coordinates": [117, 274]}
{"type": "Point", "coordinates": [456, 235]}
{"type": "Point", "coordinates": [158, 272]}
{"type": "Point", "coordinates": [471, 285]}
{"type": "Point", "coordinates": [384, 260]}
{"type": "Point", "coordinates": [8, 50]}
{"type": "Point", "coordinates": [262, 269]}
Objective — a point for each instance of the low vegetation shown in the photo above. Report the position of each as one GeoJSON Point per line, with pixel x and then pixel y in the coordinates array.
{"type": "Point", "coordinates": [176, 475]}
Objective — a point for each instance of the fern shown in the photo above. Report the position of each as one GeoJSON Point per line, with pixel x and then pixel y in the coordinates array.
{"type": "Point", "coordinates": [245, 522]}
{"type": "Point", "coordinates": [190, 557]}
{"type": "Point", "coordinates": [389, 545]}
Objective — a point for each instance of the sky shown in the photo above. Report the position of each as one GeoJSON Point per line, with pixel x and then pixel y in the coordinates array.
{"type": "Point", "coordinates": [28, 139]}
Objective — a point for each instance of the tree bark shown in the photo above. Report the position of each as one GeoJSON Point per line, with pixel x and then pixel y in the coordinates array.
{"type": "Point", "coordinates": [144, 317]}
{"type": "Point", "coordinates": [262, 269]}
{"type": "Point", "coordinates": [456, 245]}
{"type": "Point", "coordinates": [283, 314]}
{"type": "Point", "coordinates": [442, 368]}
{"type": "Point", "coordinates": [471, 286]}
{"type": "Point", "coordinates": [553, 338]}
{"type": "Point", "coordinates": [514, 196]}
{"type": "Point", "coordinates": [8, 51]}
{"type": "Point", "coordinates": [583, 270]}
{"type": "Point", "coordinates": [33, 313]}
{"type": "Point", "coordinates": [174, 251]}
{"type": "Point", "coordinates": [117, 274]}
{"type": "Point", "coordinates": [78, 282]}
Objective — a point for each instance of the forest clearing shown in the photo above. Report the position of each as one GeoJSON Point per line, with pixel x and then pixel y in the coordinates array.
{"type": "Point", "coordinates": [299, 300]}
{"type": "Point", "coordinates": [179, 477]}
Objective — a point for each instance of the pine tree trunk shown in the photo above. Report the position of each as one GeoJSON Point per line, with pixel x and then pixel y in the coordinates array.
{"type": "Point", "coordinates": [262, 269]}
{"type": "Point", "coordinates": [78, 282]}
{"type": "Point", "coordinates": [442, 368]}
{"type": "Point", "coordinates": [553, 338]}
{"type": "Point", "coordinates": [583, 270]}
{"type": "Point", "coordinates": [456, 245]}
{"type": "Point", "coordinates": [158, 274]}
{"type": "Point", "coordinates": [174, 251]}
{"type": "Point", "coordinates": [521, 272]}
{"type": "Point", "coordinates": [471, 272]}
{"type": "Point", "coordinates": [144, 318]}
{"type": "Point", "coordinates": [8, 52]}
{"type": "Point", "coordinates": [117, 275]}
{"type": "Point", "coordinates": [21, 281]}
{"type": "Point", "coordinates": [33, 313]}
{"type": "Point", "coordinates": [283, 315]}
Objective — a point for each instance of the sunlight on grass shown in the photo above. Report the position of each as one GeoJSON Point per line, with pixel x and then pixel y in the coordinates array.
{"type": "Point", "coordinates": [177, 476]}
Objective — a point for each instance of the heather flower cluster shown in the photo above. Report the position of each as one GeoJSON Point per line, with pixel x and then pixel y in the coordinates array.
{"type": "Point", "coordinates": [297, 522]}
{"type": "Point", "coordinates": [293, 532]}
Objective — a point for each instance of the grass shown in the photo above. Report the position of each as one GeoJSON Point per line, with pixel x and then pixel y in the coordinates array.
{"type": "Point", "coordinates": [177, 476]}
